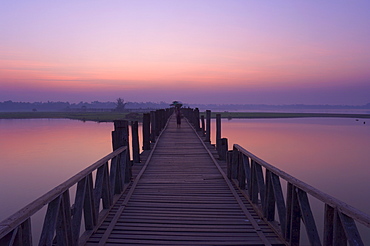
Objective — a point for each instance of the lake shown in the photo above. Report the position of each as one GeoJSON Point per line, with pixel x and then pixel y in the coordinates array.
{"type": "Point", "coordinates": [38, 154]}
{"type": "Point", "coordinates": [331, 154]}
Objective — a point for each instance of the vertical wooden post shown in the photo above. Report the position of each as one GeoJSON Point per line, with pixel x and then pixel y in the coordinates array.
{"type": "Point", "coordinates": [203, 126]}
{"type": "Point", "coordinates": [328, 225]}
{"type": "Point", "coordinates": [120, 134]}
{"type": "Point", "coordinates": [234, 164]}
{"type": "Point", "coordinates": [153, 126]}
{"type": "Point", "coordinates": [193, 118]}
{"type": "Point", "coordinates": [196, 119]}
{"type": "Point", "coordinates": [135, 141]}
{"type": "Point", "coordinates": [158, 122]}
{"type": "Point", "coordinates": [295, 223]}
{"type": "Point", "coordinates": [208, 126]}
{"type": "Point", "coordinates": [163, 119]}
{"type": "Point", "coordinates": [229, 162]}
{"type": "Point", "coordinates": [218, 133]}
{"type": "Point", "coordinates": [223, 148]}
{"type": "Point", "coordinates": [146, 131]}
{"type": "Point", "coordinates": [120, 137]}
{"type": "Point", "coordinates": [339, 233]}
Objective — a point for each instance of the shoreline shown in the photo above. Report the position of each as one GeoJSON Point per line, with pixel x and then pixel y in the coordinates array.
{"type": "Point", "coordinates": [132, 116]}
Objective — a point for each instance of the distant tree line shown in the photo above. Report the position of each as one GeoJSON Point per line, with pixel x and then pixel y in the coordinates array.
{"type": "Point", "coordinates": [121, 105]}
{"type": "Point", "coordinates": [275, 107]}
{"type": "Point", "coordinates": [10, 106]}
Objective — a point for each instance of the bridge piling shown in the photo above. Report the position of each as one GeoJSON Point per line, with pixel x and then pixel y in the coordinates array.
{"type": "Point", "coordinates": [208, 126]}
{"type": "Point", "coordinates": [196, 119]}
{"type": "Point", "coordinates": [254, 180]}
{"type": "Point", "coordinates": [203, 128]}
{"type": "Point", "coordinates": [135, 141]}
{"type": "Point", "coordinates": [146, 131]}
{"type": "Point", "coordinates": [153, 126]}
{"type": "Point", "coordinates": [218, 133]}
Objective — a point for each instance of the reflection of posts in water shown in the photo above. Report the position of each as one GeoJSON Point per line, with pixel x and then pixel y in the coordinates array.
{"type": "Point", "coordinates": [203, 126]}
{"type": "Point", "coordinates": [135, 141]}
{"type": "Point", "coordinates": [208, 126]}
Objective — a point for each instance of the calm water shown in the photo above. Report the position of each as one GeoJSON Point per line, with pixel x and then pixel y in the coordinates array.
{"type": "Point", "coordinates": [331, 154]}
{"type": "Point", "coordinates": [38, 154]}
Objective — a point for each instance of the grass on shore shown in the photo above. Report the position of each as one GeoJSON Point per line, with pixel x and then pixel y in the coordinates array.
{"type": "Point", "coordinates": [256, 115]}
{"type": "Point", "coordinates": [111, 116]}
{"type": "Point", "coordinates": [84, 116]}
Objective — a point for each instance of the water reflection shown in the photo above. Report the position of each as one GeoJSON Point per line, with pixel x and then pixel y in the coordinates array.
{"type": "Point", "coordinates": [331, 154]}
{"type": "Point", "coordinates": [37, 155]}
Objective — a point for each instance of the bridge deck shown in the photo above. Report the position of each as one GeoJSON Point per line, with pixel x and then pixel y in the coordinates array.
{"type": "Point", "coordinates": [180, 197]}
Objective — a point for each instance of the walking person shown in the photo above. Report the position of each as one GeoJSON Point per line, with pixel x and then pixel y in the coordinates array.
{"type": "Point", "coordinates": [178, 117]}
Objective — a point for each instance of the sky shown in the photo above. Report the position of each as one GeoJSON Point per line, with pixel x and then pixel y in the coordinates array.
{"type": "Point", "coordinates": [194, 51]}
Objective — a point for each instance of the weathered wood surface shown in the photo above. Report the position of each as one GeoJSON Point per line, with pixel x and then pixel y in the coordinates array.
{"type": "Point", "coordinates": [181, 197]}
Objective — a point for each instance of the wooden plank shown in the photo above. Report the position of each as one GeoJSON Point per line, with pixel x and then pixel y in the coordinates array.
{"type": "Point", "coordinates": [260, 182]}
{"type": "Point", "coordinates": [328, 226]}
{"type": "Point", "coordinates": [280, 203]}
{"type": "Point", "coordinates": [350, 228]}
{"type": "Point", "coordinates": [295, 224]}
{"type": "Point", "coordinates": [47, 234]}
{"type": "Point", "coordinates": [340, 238]}
{"type": "Point", "coordinates": [180, 196]}
{"type": "Point", "coordinates": [308, 219]}
{"type": "Point", "coordinates": [269, 209]}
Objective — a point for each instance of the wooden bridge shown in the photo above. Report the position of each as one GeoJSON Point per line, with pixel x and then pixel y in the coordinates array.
{"type": "Point", "coordinates": [182, 196]}
{"type": "Point", "coordinates": [182, 192]}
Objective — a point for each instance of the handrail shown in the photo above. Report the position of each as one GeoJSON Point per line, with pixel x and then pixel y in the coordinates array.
{"type": "Point", "coordinates": [332, 201]}
{"type": "Point", "coordinates": [16, 229]}
{"type": "Point", "coordinates": [94, 197]}
{"type": "Point", "coordinates": [259, 182]}
{"type": "Point", "coordinates": [265, 192]}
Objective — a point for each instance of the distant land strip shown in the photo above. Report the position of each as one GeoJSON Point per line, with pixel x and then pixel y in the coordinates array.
{"type": "Point", "coordinates": [132, 116]}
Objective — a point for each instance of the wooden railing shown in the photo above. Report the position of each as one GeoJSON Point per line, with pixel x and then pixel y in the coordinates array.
{"type": "Point", "coordinates": [96, 190]}
{"type": "Point", "coordinates": [284, 209]}
{"type": "Point", "coordinates": [63, 220]}
{"type": "Point", "coordinates": [262, 184]}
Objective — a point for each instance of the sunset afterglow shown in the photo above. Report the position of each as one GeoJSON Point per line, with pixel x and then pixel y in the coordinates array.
{"type": "Point", "coordinates": [282, 52]}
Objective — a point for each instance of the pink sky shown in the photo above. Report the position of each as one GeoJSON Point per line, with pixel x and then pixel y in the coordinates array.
{"type": "Point", "coordinates": [272, 52]}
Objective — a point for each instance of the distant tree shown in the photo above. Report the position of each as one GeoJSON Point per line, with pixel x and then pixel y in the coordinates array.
{"type": "Point", "coordinates": [176, 104]}
{"type": "Point", "coordinates": [120, 105]}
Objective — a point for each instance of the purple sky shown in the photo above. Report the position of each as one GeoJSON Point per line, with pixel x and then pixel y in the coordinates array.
{"type": "Point", "coordinates": [229, 51]}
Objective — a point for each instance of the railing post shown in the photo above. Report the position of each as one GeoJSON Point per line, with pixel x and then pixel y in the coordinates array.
{"type": "Point", "coordinates": [208, 126]}
{"type": "Point", "coordinates": [203, 126]}
{"type": "Point", "coordinates": [218, 133]}
{"type": "Point", "coordinates": [229, 161]}
{"type": "Point", "coordinates": [158, 122]}
{"type": "Point", "coordinates": [120, 134]}
{"type": "Point", "coordinates": [120, 137]}
{"type": "Point", "coordinates": [135, 141]}
{"type": "Point", "coordinates": [146, 131]}
{"type": "Point", "coordinates": [223, 148]}
{"type": "Point", "coordinates": [153, 127]}
{"type": "Point", "coordinates": [234, 164]}
{"type": "Point", "coordinates": [196, 119]}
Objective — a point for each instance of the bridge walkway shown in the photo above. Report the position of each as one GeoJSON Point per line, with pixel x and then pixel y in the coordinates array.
{"type": "Point", "coordinates": [182, 197]}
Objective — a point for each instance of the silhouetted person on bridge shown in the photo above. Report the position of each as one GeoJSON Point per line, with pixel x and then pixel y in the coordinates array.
{"type": "Point", "coordinates": [178, 117]}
